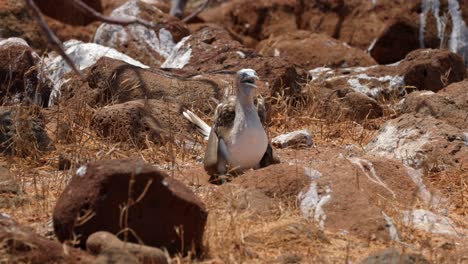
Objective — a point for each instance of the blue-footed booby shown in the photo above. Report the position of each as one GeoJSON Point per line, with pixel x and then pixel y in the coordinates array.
{"type": "Point", "coordinates": [237, 141]}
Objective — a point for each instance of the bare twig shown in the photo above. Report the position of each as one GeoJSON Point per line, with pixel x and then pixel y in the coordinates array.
{"type": "Point", "coordinates": [110, 20]}
{"type": "Point", "coordinates": [51, 37]}
{"type": "Point", "coordinates": [198, 11]}
{"type": "Point", "coordinates": [57, 45]}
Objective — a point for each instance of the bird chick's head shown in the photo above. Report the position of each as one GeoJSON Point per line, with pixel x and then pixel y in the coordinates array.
{"type": "Point", "coordinates": [246, 79]}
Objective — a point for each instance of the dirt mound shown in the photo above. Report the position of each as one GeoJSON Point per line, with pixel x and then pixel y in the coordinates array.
{"type": "Point", "coordinates": [212, 49]}
{"type": "Point", "coordinates": [156, 206]}
{"type": "Point", "coordinates": [421, 141]}
{"type": "Point", "coordinates": [21, 245]}
{"type": "Point", "coordinates": [391, 256]}
{"type": "Point", "coordinates": [17, 22]}
{"type": "Point", "coordinates": [311, 50]}
{"type": "Point", "coordinates": [19, 75]}
{"type": "Point", "coordinates": [22, 132]}
{"type": "Point", "coordinates": [424, 69]}
{"type": "Point", "coordinates": [344, 104]}
{"type": "Point", "coordinates": [110, 81]}
{"type": "Point", "coordinates": [430, 69]}
{"type": "Point", "coordinates": [148, 45]}
{"type": "Point", "coordinates": [138, 121]}
{"type": "Point", "coordinates": [449, 104]}
{"type": "Point", "coordinates": [340, 192]}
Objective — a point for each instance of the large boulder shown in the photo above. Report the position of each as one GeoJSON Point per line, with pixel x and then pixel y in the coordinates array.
{"type": "Point", "coordinates": [343, 104]}
{"type": "Point", "coordinates": [449, 104]}
{"type": "Point", "coordinates": [22, 132]}
{"type": "Point", "coordinates": [19, 77]}
{"type": "Point", "coordinates": [21, 245]}
{"type": "Point", "coordinates": [429, 69]}
{"type": "Point", "coordinates": [255, 19]}
{"type": "Point", "coordinates": [149, 45]}
{"type": "Point", "coordinates": [431, 132]}
{"type": "Point", "coordinates": [399, 37]}
{"type": "Point", "coordinates": [122, 195]}
{"type": "Point", "coordinates": [311, 50]}
{"type": "Point", "coordinates": [68, 11]}
{"type": "Point", "coordinates": [424, 69]}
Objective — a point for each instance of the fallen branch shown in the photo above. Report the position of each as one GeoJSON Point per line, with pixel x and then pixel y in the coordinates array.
{"type": "Point", "coordinates": [198, 11]}
{"type": "Point", "coordinates": [110, 20]}
{"type": "Point", "coordinates": [55, 42]}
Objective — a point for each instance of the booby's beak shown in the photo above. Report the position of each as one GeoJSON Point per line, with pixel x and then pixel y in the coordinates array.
{"type": "Point", "coordinates": [248, 77]}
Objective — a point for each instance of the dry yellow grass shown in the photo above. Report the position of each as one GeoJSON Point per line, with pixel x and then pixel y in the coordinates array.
{"type": "Point", "coordinates": [235, 232]}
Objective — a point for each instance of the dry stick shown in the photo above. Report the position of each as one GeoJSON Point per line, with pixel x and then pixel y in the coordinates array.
{"type": "Point", "coordinates": [196, 12]}
{"type": "Point", "coordinates": [51, 37]}
{"type": "Point", "coordinates": [110, 20]}
{"type": "Point", "coordinates": [57, 44]}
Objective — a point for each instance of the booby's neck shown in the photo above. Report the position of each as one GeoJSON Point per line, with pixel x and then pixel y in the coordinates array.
{"type": "Point", "coordinates": [245, 104]}
{"type": "Point", "coordinates": [245, 97]}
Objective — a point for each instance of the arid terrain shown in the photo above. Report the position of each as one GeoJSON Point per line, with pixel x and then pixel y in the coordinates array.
{"type": "Point", "coordinates": [377, 172]}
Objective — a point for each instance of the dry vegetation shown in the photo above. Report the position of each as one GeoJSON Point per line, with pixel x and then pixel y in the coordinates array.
{"type": "Point", "coordinates": [237, 232]}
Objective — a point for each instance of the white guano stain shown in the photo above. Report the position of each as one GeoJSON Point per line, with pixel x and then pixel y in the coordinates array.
{"type": "Point", "coordinates": [161, 42]}
{"type": "Point", "coordinates": [180, 55]}
{"type": "Point", "coordinates": [83, 56]}
{"type": "Point", "coordinates": [430, 222]}
{"type": "Point", "coordinates": [402, 144]}
{"type": "Point", "coordinates": [373, 177]}
{"type": "Point", "coordinates": [392, 230]}
{"type": "Point", "coordinates": [359, 81]}
{"type": "Point", "coordinates": [81, 171]}
{"type": "Point", "coordinates": [431, 200]}
{"type": "Point", "coordinates": [311, 203]}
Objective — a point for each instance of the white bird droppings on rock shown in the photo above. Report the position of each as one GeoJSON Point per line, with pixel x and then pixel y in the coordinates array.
{"type": "Point", "coordinates": [429, 222]}
{"type": "Point", "coordinates": [81, 171]}
{"type": "Point", "coordinates": [392, 230]}
{"type": "Point", "coordinates": [83, 55]}
{"type": "Point", "coordinates": [373, 177]}
{"type": "Point", "coordinates": [180, 55]}
{"type": "Point", "coordinates": [299, 138]}
{"type": "Point", "coordinates": [112, 35]}
{"type": "Point", "coordinates": [311, 203]}
{"type": "Point", "coordinates": [403, 144]}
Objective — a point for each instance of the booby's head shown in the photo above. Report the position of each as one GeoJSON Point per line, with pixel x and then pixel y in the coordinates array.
{"type": "Point", "coordinates": [246, 82]}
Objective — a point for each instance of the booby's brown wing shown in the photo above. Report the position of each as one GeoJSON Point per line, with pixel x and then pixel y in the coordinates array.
{"type": "Point", "coordinates": [261, 109]}
{"type": "Point", "coordinates": [269, 157]}
{"type": "Point", "coordinates": [223, 122]}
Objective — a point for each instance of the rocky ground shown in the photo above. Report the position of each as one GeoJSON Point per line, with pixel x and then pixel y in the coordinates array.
{"type": "Point", "coordinates": [376, 171]}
